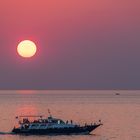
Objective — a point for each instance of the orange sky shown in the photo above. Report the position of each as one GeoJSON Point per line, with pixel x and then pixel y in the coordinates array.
{"type": "Point", "coordinates": [76, 40]}
{"type": "Point", "coordinates": [30, 16]}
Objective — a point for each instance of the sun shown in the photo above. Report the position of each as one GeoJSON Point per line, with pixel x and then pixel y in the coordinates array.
{"type": "Point", "coordinates": [26, 48]}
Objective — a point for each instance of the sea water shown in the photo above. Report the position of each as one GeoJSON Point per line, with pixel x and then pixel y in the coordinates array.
{"type": "Point", "coordinates": [120, 114]}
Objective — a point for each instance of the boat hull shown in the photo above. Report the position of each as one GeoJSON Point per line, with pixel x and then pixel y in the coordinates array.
{"type": "Point", "coordinates": [57, 131]}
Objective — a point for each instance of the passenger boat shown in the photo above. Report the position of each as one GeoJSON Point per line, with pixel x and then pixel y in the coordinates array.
{"type": "Point", "coordinates": [117, 94]}
{"type": "Point", "coordinates": [39, 125]}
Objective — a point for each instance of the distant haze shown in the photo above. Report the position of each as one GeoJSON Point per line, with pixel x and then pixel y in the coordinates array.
{"type": "Point", "coordinates": [82, 44]}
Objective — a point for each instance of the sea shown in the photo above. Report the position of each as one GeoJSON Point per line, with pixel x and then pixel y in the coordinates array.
{"type": "Point", "coordinates": [119, 111]}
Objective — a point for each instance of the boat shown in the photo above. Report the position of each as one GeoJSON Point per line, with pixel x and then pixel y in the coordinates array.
{"type": "Point", "coordinates": [39, 125]}
{"type": "Point", "coordinates": [117, 93]}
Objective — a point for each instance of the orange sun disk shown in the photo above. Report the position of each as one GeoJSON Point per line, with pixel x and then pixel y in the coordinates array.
{"type": "Point", "coordinates": [26, 48]}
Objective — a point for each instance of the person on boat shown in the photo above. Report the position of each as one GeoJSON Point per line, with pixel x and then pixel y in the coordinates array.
{"type": "Point", "coordinates": [58, 121]}
{"type": "Point", "coordinates": [26, 120]}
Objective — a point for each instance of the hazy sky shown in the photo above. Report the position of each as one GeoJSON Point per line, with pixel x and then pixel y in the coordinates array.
{"type": "Point", "coordinates": [92, 44]}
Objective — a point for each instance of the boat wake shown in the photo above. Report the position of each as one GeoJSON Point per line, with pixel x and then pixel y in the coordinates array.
{"type": "Point", "coordinates": [6, 133]}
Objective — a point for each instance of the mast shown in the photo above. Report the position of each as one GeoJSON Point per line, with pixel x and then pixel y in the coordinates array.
{"type": "Point", "coordinates": [49, 112]}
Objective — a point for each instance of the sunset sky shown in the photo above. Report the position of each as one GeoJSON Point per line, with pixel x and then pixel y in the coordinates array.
{"type": "Point", "coordinates": [81, 44]}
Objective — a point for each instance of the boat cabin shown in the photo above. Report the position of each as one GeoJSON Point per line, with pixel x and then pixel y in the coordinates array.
{"type": "Point", "coordinates": [39, 122]}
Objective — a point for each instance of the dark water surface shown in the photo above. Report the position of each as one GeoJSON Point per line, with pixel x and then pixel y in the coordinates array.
{"type": "Point", "coordinates": [120, 114]}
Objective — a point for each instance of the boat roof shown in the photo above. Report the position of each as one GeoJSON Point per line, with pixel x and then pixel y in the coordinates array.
{"type": "Point", "coordinates": [30, 116]}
